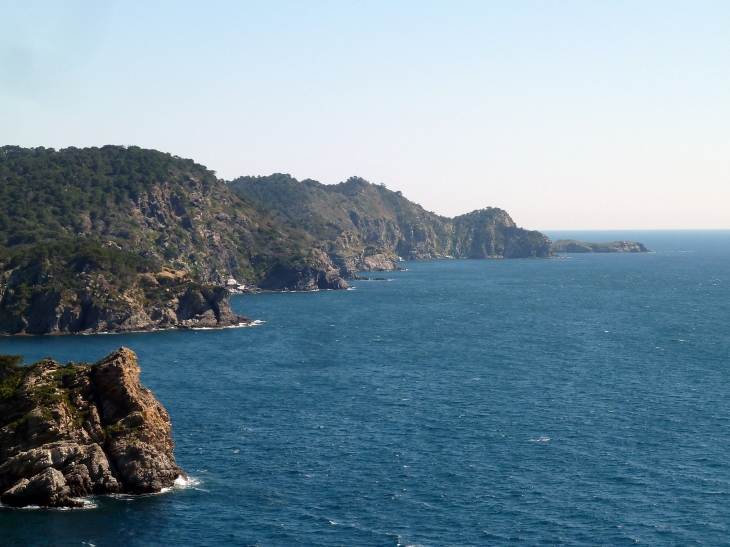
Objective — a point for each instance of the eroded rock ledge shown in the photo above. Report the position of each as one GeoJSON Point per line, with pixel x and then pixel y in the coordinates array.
{"type": "Point", "coordinates": [69, 431]}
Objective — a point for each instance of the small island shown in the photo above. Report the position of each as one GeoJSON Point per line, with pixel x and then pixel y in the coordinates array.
{"type": "Point", "coordinates": [77, 430]}
{"type": "Point", "coordinates": [574, 246]}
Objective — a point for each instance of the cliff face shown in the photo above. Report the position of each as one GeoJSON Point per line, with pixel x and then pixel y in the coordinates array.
{"type": "Point", "coordinates": [37, 299]}
{"type": "Point", "coordinates": [365, 227]}
{"type": "Point", "coordinates": [316, 273]}
{"type": "Point", "coordinates": [491, 233]}
{"type": "Point", "coordinates": [574, 246]}
{"type": "Point", "coordinates": [78, 430]}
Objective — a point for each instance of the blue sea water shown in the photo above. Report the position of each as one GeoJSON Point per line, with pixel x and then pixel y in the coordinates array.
{"type": "Point", "coordinates": [576, 401]}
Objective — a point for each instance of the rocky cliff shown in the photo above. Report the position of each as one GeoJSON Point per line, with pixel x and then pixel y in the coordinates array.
{"type": "Point", "coordinates": [120, 238]}
{"type": "Point", "coordinates": [50, 297]}
{"type": "Point", "coordinates": [79, 430]}
{"type": "Point", "coordinates": [366, 227]}
{"type": "Point", "coordinates": [574, 246]}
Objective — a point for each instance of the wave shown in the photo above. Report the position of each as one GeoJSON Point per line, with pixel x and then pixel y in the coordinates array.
{"type": "Point", "coordinates": [88, 503]}
{"type": "Point", "coordinates": [238, 326]}
{"type": "Point", "coordinates": [182, 483]}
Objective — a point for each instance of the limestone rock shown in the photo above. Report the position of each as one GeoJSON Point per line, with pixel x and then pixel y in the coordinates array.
{"type": "Point", "coordinates": [80, 430]}
{"type": "Point", "coordinates": [47, 488]}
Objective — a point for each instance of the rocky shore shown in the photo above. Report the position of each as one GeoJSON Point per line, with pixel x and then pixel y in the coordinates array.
{"type": "Point", "coordinates": [76, 430]}
{"type": "Point", "coordinates": [32, 304]}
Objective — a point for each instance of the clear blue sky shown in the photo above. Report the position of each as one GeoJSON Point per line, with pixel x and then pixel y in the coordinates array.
{"type": "Point", "coordinates": [569, 115]}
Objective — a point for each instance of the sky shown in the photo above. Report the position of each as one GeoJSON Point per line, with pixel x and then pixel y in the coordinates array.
{"type": "Point", "coordinates": [569, 115]}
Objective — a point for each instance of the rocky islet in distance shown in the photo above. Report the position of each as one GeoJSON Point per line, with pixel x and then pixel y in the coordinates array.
{"type": "Point", "coordinates": [575, 246]}
{"type": "Point", "coordinates": [67, 432]}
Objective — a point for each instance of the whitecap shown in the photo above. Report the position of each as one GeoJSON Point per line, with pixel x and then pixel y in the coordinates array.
{"type": "Point", "coordinates": [186, 482]}
{"type": "Point", "coordinates": [542, 439]}
{"type": "Point", "coordinates": [87, 504]}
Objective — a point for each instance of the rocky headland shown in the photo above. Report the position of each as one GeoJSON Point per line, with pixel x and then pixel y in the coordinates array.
{"type": "Point", "coordinates": [120, 239]}
{"type": "Point", "coordinates": [77, 430]}
{"type": "Point", "coordinates": [574, 246]}
{"type": "Point", "coordinates": [366, 227]}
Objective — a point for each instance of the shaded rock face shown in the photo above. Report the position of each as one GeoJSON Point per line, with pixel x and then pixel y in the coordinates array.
{"type": "Point", "coordinates": [365, 262]}
{"type": "Point", "coordinates": [574, 246]}
{"type": "Point", "coordinates": [491, 233]}
{"type": "Point", "coordinates": [78, 430]}
{"type": "Point", "coordinates": [316, 273]}
{"type": "Point", "coordinates": [102, 307]}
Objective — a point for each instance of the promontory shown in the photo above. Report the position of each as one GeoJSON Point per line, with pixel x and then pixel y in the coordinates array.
{"type": "Point", "coordinates": [77, 430]}
{"type": "Point", "coordinates": [119, 239]}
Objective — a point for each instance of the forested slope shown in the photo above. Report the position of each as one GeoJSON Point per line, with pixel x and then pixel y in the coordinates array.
{"type": "Point", "coordinates": [358, 219]}
{"type": "Point", "coordinates": [96, 237]}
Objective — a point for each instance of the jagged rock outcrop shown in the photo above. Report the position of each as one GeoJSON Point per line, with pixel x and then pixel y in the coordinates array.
{"type": "Point", "coordinates": [491, 233]}
{"type": "Point", "coordinates": [316, 273]}
{"type": "Point", "coordinates": [574, 246]}
{"type": "Point", "coordinates": [78, 430]}
{"type": "Point", "coordinates": [362, 262]}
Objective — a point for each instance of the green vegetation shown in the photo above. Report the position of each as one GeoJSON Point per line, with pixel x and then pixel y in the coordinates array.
{"type": "Point", "coordinates": [47, 194]}
{"type": "Point", "coordinates": [385, 221]}
{"type": "Point", "coordinates": [113, 430]}
{"type": "Point", "coordinates": [78, 207]}
{"type": "Point", "coordinates": [69, 369]}
{"type": "Point", "coordinates": [10, 364]}
{"type": "Point", "coordinates": [91, 231]}
{"type": "Point", "coordinates": [97, 231]}
{"type": "Point", "coordinates": [11, 374]}
{"type": "Point", "coordinates": [62, 263]}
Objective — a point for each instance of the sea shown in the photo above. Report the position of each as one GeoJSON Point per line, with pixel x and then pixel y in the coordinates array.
{"type": "Point", "coordinates": [582, 400]}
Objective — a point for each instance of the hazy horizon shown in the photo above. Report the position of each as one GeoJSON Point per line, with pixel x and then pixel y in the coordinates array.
{"type": "Point", "coordinates": [570, 116]}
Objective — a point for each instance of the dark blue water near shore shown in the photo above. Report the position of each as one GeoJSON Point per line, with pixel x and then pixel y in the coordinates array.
{"type": "Point", "coordinates": [578, 401]}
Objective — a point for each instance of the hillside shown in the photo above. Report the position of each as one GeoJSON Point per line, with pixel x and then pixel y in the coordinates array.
{"type": "Point", "coordinates": [156, 205]}
{"type": "Point", "coordinates": [118, 238]}
{"type": "Point", "coordinates": [367, 227]}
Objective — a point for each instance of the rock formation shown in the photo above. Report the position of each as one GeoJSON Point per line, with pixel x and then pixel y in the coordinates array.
{"type": "Point", "coordinates": [79, 430]}
{"type": "Point", "coordinates": [32, 303]}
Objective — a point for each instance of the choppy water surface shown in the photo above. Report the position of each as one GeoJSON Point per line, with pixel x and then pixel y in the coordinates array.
{"type": "Point", "coordinates": [581, 401]}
